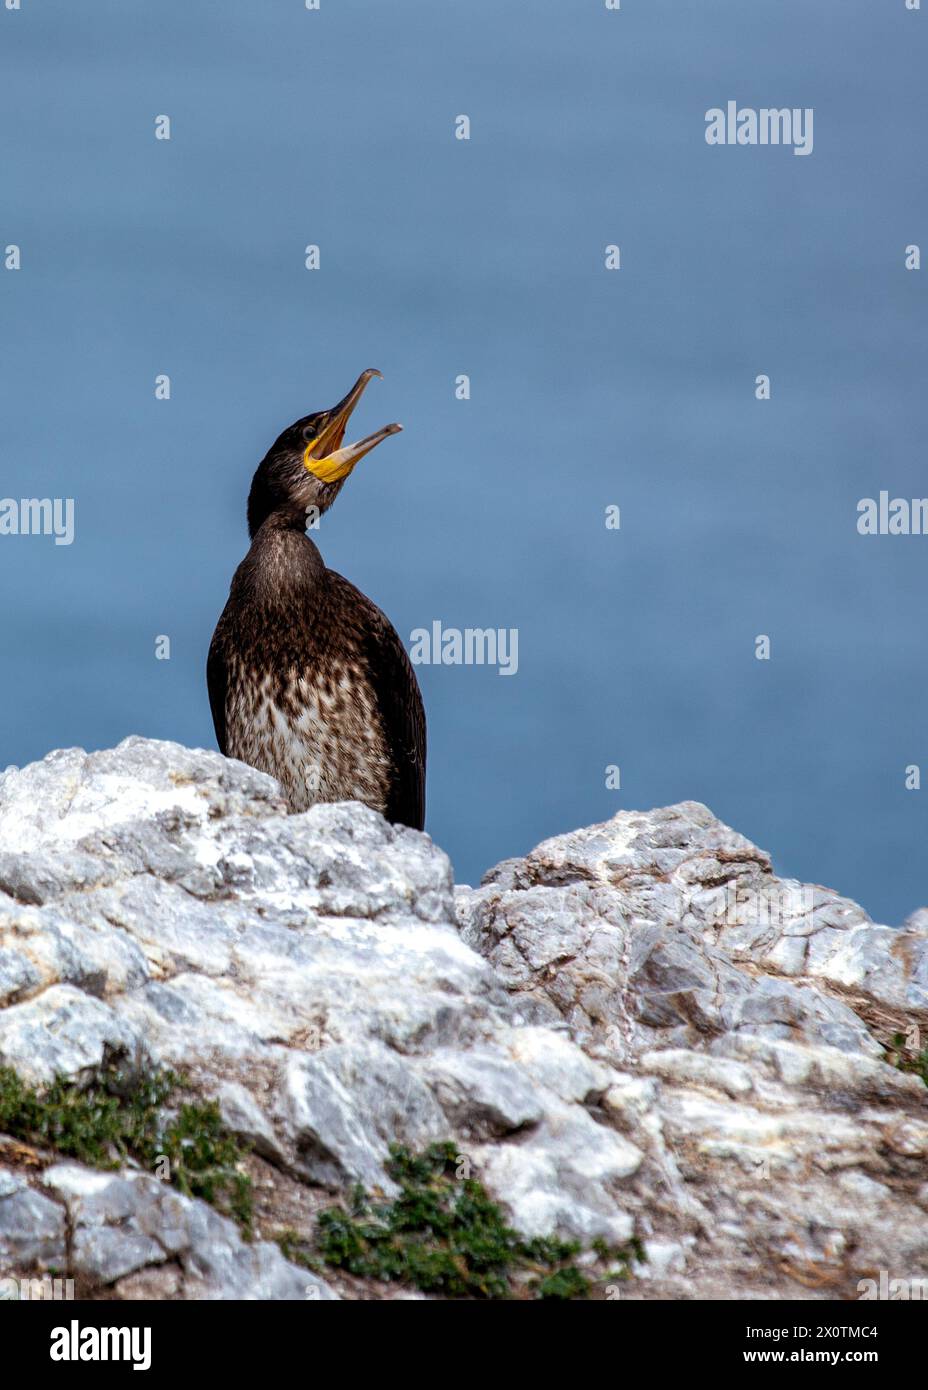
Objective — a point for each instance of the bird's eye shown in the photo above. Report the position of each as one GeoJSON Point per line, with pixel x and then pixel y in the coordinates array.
{"type": "Point", "coordinates": [309, 433]}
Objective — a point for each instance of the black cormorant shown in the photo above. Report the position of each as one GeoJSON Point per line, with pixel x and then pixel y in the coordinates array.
{"type": "Point", "coordinates": [307, 679]}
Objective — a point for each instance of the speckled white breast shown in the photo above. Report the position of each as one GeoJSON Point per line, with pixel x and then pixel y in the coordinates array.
{"type": "Point", "coordinates": [321, 744]}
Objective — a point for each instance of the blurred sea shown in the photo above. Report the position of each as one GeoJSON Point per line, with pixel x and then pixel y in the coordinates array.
{"type": "Point", "coordinates": [440, 257]}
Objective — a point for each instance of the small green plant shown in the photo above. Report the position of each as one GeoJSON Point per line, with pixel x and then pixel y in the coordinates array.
{"type": "Point", "coordinates": [119, 1119]}
{"type": "Point", "coordinates": [293, 1249]}
{"type": "Point", "coordinates": [204, 1159]}
{"type": "Point", "coordinates": [905, 1059]}
{"type": "Point", "coordinates": [621, 1257]}
{"type": "Point", "coordinates": [443, 1234]}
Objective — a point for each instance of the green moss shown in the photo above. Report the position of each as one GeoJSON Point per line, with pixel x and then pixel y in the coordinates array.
{"type": "Point", "coordinates": [444, 1235]}
{"type": "Point", "coordinates": [119, 1119]}
{"type": "Point", "coordinates": [906, 1060]}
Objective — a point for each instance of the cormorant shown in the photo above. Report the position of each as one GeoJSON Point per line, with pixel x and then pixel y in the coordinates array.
{"type": "Point", "coordinates": [307, 679]}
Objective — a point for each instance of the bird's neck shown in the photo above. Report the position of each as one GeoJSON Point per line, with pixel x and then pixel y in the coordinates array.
{"type": "Point", "coordinates": [283, 565]}
{"type": "Point", "coordinates": [283, 516]}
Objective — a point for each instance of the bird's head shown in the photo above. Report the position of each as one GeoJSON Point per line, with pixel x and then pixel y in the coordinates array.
{"type": "Point", "coordinates": [307, 465]}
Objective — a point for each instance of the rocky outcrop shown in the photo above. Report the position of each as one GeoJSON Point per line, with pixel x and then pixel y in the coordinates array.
{"type": "Point", "coordinates": [746, 1020]}
{"type": "Point", "coordinates": [635, 1030]}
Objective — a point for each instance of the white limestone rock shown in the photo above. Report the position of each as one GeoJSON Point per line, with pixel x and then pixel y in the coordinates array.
{"type": "Point", "coordinates": [636, 1030]}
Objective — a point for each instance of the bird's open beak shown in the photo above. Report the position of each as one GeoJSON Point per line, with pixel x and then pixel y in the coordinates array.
{"type": "Point", "coordinates": [324, 456]}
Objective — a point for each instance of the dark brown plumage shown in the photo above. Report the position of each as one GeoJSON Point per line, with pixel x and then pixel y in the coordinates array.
{"type": "Point", "coordinates": [307, 679]}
